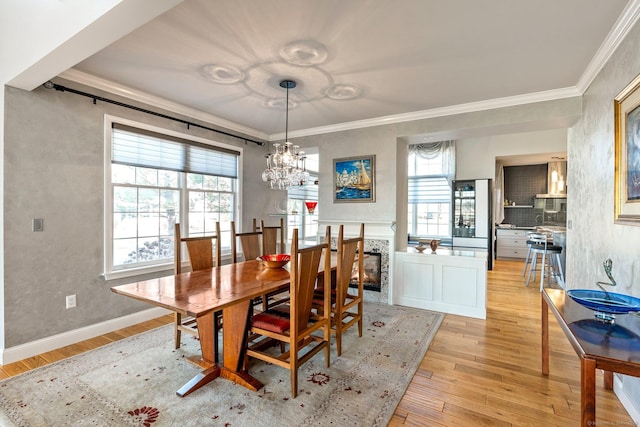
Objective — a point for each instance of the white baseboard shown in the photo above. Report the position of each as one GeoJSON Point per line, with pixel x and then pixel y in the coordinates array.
{"type": "Point", "coordinates": [625, 400]}
{"type": "Point", "coordinates": [30, 349]}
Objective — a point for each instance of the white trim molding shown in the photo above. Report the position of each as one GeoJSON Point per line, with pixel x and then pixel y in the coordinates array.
{"type": "Point", "coordinates": [33, 348]}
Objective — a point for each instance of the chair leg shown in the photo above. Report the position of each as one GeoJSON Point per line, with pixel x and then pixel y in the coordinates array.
{"type": "Point", "coordinates": [293, 368]}
{"type": "Point", "coordinates": [532, 267]}
{"type": "Point", "coordinates": [526, 260]}
{"type": "Point", "coordinates": [562, 284]}
{"type": "Point", "coordinates": [542, 270]}
{"type": "Point", "coordinates": [338, 326]}
{"type": "Point", "coordinates": [360, 320]}
{"type": "Point", "coordinates": [177, 320]}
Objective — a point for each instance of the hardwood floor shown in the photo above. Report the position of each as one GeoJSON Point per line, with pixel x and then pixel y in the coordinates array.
{"type": "Point", "coordinates": [487, 372]}
{"type": "Point", "coordinates": [476, 372]}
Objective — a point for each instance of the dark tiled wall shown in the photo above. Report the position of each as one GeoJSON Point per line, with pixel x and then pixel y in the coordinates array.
{"type": "Point", "coordinates": [521, 184]}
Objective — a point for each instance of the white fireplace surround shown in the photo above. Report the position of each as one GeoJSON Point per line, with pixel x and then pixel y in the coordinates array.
{"type": "Point", "coordinates": [379, 235]}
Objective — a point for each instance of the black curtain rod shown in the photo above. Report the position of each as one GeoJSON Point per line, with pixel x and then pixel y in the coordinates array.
{"type": "Point", "coordinates": [51, 85]}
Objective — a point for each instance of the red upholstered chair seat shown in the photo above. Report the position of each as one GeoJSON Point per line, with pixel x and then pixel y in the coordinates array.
{"type": "Point", "coordinates": [276, 319]}
{"type": "Point", "coordinates": [318, 297]}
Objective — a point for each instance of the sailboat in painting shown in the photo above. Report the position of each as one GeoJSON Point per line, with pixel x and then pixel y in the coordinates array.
{"type": "Point", "coordinates": [362, 181]}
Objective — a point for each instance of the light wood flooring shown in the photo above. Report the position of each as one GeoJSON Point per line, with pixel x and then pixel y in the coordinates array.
{"type": "Point", "coordinates": [476, 372]}
{"type": "Point", "coordinates": [488, 372]}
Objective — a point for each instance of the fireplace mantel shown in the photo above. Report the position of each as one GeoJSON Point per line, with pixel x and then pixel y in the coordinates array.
{"type": "Point", "coordinates": [372, 229]}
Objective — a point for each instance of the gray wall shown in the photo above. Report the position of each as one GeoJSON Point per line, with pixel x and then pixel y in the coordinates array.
{"type": "Point", "coordinates": [54, 157]}
{"type": "Point", "coordinates": [594, 237]}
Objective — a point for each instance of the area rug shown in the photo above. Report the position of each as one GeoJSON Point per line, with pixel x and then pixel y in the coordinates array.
{"type": "Point", "coordinates": [133, 382]}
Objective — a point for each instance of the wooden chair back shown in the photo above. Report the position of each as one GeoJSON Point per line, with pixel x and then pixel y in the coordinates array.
{"type": "Point", "coordinates": [273, 241]}
{"type": "Point", "coordinates": [346, 307]}
{"type": "Point", "coordinates": [250, 244]}
{"type": "Point", "coordinates": [347, 250]}
{"type": "Point", "coordinates": [305, 264]}
{"type": "Point", "coordinates": [203, 251]}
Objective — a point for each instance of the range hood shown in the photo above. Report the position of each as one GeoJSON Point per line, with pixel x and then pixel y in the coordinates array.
{"type": "Point", "coordinates": [556, 181]}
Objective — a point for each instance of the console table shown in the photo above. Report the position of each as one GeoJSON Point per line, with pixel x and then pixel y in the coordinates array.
{"type": "Point", "coordinates": [610, 347]}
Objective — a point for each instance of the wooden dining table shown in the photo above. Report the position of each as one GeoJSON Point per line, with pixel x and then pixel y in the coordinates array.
{"type": "Point", "coordinates": [229, 288]}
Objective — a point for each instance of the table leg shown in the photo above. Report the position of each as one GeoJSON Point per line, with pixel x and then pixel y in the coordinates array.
{"type": "Point", "coordinates": [234, 339]}
{"type": "Point", "coordinates": [608, 380]}
{"type": "Point", "coordinates": [545, 336]}
{"type": "Point", "coordinates": [588, 391]}
{"type": "Point", "coordinates": [211, 371]}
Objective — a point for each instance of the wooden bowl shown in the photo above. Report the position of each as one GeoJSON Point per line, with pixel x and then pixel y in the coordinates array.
{"type": "Point", "coordinates": [275, 260]}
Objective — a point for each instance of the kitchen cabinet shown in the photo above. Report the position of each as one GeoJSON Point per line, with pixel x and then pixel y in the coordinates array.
{"type": "Point", "coordinates": [511, 243]}
{"type": "Point", "coordinates": [471, 215]}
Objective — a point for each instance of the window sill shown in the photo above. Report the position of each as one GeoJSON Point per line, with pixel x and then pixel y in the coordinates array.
{"type": "Point", "coordinates": [137, 272]}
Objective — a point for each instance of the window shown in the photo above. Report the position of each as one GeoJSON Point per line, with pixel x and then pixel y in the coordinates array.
{"type": "Point", "coordinates": [430, 171]}
{"type": "Point", "coordinates": [155, 178]}
{"type": "Point", "coordinates": [298, 215]}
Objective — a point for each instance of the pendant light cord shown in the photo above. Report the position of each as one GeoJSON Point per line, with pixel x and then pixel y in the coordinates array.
{"type": "Point", "coordinates": [286, 122]}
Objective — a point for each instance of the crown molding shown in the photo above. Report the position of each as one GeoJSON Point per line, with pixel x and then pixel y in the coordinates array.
{"type": "Point", "coordinates": [619, 31]}
{"type": "Point", "coordinates": [137, 95]}
{"type": "Point", "coordinates": [549, 95]}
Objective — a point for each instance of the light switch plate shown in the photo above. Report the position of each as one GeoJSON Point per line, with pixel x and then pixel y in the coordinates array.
{"type": "Point", "coordinates": [38, 224]}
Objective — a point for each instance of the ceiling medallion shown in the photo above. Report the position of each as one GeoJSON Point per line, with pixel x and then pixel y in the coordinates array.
{"type": "Point", "coordinates": [343, 92]}
{"type": "Point", "coordinates": [280, 103]}
{"type": "Point", "coordinates": [224, 74]}
{"type": "Point", "coordinates": [304, 53]}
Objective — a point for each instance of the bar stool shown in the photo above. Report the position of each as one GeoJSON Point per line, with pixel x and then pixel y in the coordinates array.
{"type": "Point", "coordinates": [550, 264]}
{"type": "Point", "coordinates": [527, 259]}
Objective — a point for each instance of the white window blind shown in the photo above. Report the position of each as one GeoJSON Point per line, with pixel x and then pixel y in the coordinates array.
{"type": "Point", "coordinates": [309, 191]}
{"type": "Point", "coordinates": [429, 190]}
{"type": "Point", "coordinates": [138, 147]}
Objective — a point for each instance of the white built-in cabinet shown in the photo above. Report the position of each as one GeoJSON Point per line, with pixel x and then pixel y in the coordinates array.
{"type": "Point", "coordinates": [449, 281]}
{"type": "Point", "coordinates": [511, 243]}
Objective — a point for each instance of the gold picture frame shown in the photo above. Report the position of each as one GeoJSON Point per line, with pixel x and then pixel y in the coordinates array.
{"type": "Point", "coordinates": [627, 155]}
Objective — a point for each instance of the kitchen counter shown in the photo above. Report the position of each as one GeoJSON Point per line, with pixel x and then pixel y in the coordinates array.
{"type": "Point", "coordinates": [553, 229]}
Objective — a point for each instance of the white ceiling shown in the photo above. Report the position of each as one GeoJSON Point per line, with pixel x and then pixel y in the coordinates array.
{"type": "Point", "coordinates": [400, 58]}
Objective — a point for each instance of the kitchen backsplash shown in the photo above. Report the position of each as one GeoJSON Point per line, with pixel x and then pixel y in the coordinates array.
{"type": "Point", "coordinates": [521, 184]}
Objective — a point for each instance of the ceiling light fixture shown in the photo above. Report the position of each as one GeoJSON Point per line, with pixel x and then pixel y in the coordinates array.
{"type": "Point", "coordinates": [286, 167]}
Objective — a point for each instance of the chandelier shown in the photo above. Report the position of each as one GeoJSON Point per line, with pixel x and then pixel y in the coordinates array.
{"type": "Point", "coordinates": [286, 166]}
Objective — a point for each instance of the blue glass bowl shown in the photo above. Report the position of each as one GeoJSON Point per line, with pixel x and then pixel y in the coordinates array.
{"type": "Point", "coordinates": [603, 302]}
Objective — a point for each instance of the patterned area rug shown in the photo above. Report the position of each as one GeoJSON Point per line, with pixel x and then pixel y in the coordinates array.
{"type": "Point", "coordinates": [132, 382]}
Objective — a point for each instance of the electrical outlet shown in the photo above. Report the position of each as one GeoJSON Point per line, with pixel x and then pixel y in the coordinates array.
{"type": "Point", "coordinates": [71, 301]}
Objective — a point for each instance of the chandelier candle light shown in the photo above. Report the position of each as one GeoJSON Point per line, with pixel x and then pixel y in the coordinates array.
{"type": "Point", "coordinates": [286, 167]}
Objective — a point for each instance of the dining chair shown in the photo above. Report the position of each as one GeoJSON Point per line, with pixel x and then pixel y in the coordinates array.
{"type": "Point", "coordinates": [346, 307]}
{"type": "Point", "coordinates": [273, 241]}
{"type": "Point", "coordinates": [204, 252]}
{"type": "Point", "coordinates": [303, 332]}
{"type": "Point", "coordinates": [251, 246]}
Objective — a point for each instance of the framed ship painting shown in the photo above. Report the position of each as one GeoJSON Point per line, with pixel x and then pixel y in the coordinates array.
{"type": "Point", "coordinates": [354, 179]}
{"type": "Point", "coordinates": [627, 155]}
